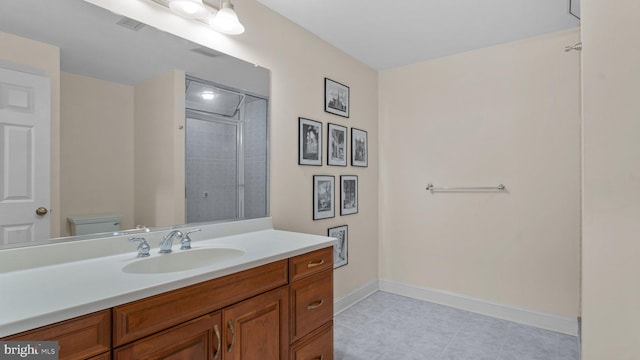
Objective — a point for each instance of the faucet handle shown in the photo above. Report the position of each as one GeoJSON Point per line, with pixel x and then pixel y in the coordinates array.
{"type": "Point", "coordinates": [143, 248]}
{"type": "Point", "coordinates": [186, 240]}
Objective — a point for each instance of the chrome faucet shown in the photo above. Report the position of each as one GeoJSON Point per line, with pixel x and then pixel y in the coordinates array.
{"type": "Point", "coordinates": [186, 240]}
{"type": "Point", "coordinates": [143, 248]}
{"type": "Point", "coordinates": [167, 241]}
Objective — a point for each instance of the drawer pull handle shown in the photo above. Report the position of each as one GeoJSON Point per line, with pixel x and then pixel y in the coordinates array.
{"type": "Point", "coordinates": [233, 335]}
{"type": "Point", "coordinates": [314, 264]}
{"type": "Point", "coordinates": [216, 330]}
{"type": "Point", "coordinates": [321, 357]}
{"type": "Point", "coordinates": [315, 305]}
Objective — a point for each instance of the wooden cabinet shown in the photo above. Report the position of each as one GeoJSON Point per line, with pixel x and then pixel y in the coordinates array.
{"type": "Point", "coordinates": [276, 311]}
{"type": "Point", "coordinates": [257, 328]}
{"type": "Point", "coordinates": [311, 305]}
{"type": "Point", "coordinates": [317, 346]}
{"type": "Point", "coordinates": [105, 356]}
{"type": "Point", "coordinates": [251, 329]}
{"type": "Point", "coordinates": [310, 263]}
{"type": "Point", "coordinates": [79, 338]}
{"type": "Point", "coordinates": [144, 317]}
{"type": "Point", "coordinates": [200, 338]}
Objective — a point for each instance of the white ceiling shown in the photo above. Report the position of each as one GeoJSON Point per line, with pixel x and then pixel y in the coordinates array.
{"type": "Point", "coordinates": [386, 34]}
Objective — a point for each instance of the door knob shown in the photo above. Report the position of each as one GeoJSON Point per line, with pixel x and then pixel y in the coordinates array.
{"type": "Point", "coordinates": [41, 211]}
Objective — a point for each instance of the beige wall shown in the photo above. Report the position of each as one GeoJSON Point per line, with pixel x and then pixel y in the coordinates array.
{"type": "Point", "coordinates": [505, 114]}
{"type": "Point", "coordinates": [45, 58]}
{"type": "Point", "coordinates": [611, 202]}
{"type": "Point", "coordinates": [159, 110]}
{"type": "Point", "coordinates": [96, 115]}
{"type": "Point", "coordinates": [299, 62]}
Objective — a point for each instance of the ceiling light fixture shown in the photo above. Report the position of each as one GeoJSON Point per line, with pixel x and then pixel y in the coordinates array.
{"type": "Point", "coordinates": [208, 95]}
{"type": "Point", "coordinates": [191, 9]}
{"type": "Point", "coordinates": [225, 20]}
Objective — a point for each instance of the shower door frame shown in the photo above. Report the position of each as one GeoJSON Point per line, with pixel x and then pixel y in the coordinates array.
{"type": "Point", "coordinates": [238, 124]}
{"type": "Point", "coordinates": [239, 120]}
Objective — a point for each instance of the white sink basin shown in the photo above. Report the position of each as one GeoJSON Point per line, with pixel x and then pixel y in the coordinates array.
{"type": "Point", "coordinates": [181, 260]}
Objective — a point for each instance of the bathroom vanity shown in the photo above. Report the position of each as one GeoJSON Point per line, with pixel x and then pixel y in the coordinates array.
{"type": "Point", "coordinates": [275, 301]}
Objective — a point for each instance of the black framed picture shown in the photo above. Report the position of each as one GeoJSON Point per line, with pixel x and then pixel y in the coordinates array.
{"type": "Point", "coordinates": [323, 197]}
{"type": "Point", "coordinates": [336, 145]}
{"type": "Point", "coordinates": [341, 248]}
{"type": "Point", "coordinates": [359, 149]}
{"type": "Point", "coordinates": [336, 98]}
{"type": "Point", "coordinates": [348, 194]}
{"type": "Point", "coordinates": [574, 8]}
{"type": "Point", "coordinates": [309, 142]}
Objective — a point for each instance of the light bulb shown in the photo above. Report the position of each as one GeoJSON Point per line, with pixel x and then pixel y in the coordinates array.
{"type": "Point", "coordinates": [208, 95]}
{"type": "Point", "coordinates": [226, 20]}
{"type": "Point", "coordinates": [191, 9]}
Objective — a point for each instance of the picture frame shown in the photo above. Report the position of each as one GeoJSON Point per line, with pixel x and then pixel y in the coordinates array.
{"type": "Point", "coordinates": [341, 248]}
{"type": "Point", "coordinates": [309, 142]}
{"type": "Point", "coordinates": [336, 145]}
{"type": "Point", "coordinates": [359, 148]}
{"type": "Point", "coordinates": [348, 194]}
{"type": "Point", "coordinates": [323, 197]}
{"type": "Point", "coordinates": [336, 98]}
{"type": "Point", "coordinates": [574, 8]}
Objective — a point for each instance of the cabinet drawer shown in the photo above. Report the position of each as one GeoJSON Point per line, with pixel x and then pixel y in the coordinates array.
{"type": "Point", "coordinates": [140, 318]}
{"type": "Point", "coordinates": [317, 346]}
{"type": "Point", "coordinates": [78, 338]}
{"type": "Point", "coordinates": [311, 303]}
{"type": "Point", "coordinates": [310, 263]}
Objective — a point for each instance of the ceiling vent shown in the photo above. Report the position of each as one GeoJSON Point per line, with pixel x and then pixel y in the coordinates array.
{"type": "Point", "coordinates": [130, 24]}
{"type": "Point", "coordinates": [207, 52]}
{"type": "Point", "coordinates": [165, 3]}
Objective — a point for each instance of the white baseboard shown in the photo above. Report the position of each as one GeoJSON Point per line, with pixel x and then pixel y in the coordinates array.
{"type": "Point", "coordinates": [343, 303]}
{"type": "Point", "coordinates": [565, 325]}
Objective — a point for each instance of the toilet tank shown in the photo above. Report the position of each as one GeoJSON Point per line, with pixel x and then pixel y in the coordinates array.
{"type": "Point", "coordinates": [83, 225]}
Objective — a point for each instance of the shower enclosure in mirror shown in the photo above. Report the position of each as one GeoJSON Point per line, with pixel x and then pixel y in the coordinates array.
{"type": "Point", "coordinates": [121, 126]}
{"type": "Point", "coordinates": [226, 153]}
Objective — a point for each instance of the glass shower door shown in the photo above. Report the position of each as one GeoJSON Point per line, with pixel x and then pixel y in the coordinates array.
{"type": "Point", "coordinates": [227, 154]}
{"type": "Point", "coordinates": [212, 153]}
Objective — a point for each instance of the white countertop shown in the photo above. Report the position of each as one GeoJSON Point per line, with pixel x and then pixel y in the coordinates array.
{"type": "Point", "coordinates": [37, 296]}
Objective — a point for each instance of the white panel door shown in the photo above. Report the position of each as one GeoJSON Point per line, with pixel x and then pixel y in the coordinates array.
{"type": "Point", "coordinates": [25, 103]}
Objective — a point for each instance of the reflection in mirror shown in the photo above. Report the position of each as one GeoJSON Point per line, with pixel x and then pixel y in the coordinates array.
{"type": "Point", "coordinates": [226, 152]}
{"type": "Point", "coordinates": [136, 109]}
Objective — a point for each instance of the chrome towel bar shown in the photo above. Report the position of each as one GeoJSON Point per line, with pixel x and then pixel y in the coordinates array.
{"type": "Point", "coordinates": [500, 187]}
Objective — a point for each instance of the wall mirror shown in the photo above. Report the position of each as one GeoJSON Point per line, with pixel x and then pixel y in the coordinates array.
{"type": "Point", "coordinates": [138, 109]}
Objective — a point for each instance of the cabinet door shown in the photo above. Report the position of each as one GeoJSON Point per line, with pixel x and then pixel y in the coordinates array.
{"type": "Point", "coordinates": [105, 356]}
{"type": "Point", "coordinates": [200, 339]}
{"type": "Point", "coordinates": [257, 328]}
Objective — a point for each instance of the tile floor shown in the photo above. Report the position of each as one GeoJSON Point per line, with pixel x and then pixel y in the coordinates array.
{"type": "Point", "coordinates": [385, 326]}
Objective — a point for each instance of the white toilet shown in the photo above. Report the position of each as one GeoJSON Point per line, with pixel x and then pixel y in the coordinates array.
{"type": "Point", "coordinates": [83, 225]}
